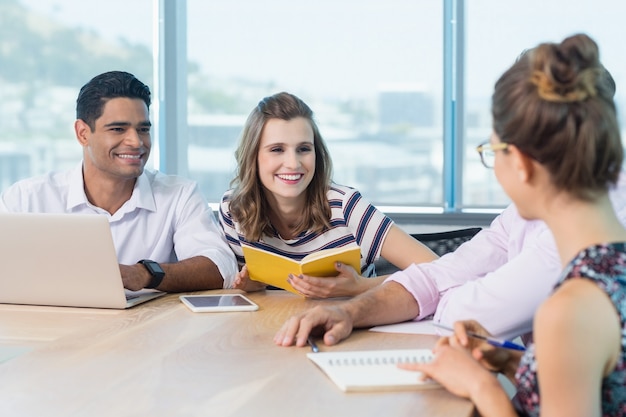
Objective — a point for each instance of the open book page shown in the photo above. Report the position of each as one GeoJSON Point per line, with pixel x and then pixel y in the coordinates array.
{"type": "Point", "coordinates": [373, 370]}
{"type": "Point", "coordinates": [325, 253]}
{"type": "Point", "coordinates": [322, 263]}
{"type": "Point", "coordinates": [274, 269]}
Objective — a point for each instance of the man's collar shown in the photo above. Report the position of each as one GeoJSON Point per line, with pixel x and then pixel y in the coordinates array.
{"type": "Point", "coordinates": [76, 194]}
{"type": "Point", "coordinates": [143, 193]}
{"type": "Point", "coordinates": [142, 196]}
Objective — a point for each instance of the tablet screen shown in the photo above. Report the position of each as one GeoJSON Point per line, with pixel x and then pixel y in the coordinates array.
{"type": "Point", "coordinates": [221, 302]}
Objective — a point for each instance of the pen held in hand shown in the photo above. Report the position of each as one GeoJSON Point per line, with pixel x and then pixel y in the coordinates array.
{"type": "Point", "coordinates": [313, 345]}
{"type": "Point", "coordinates": [492, 341]}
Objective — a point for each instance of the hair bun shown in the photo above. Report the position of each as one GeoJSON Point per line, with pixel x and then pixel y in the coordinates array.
{"type": "Point", "coordinates": [567, 72]}
{"type": "Point", "coordinates": [549, 90]}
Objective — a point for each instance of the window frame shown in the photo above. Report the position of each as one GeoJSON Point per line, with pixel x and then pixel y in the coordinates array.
{"type": "Point", "coordinates": [170, 72]}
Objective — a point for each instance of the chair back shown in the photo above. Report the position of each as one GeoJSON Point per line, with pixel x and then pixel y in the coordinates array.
{"type": "Point", "coordinates": [439, 242]}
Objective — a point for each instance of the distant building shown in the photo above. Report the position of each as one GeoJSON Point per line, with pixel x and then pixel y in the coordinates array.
{"type": "Point", "coordinates": [215, 130]}
{"type": "Point", "coordinates": [405, 105]}
{"type": "Point", "coordinates": [14, 166]}
{"type": "Point", "coordinates": [212, 140]}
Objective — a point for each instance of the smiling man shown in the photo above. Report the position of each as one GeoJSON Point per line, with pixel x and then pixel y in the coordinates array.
{"type": "Point", "coordinates": [165, 234]}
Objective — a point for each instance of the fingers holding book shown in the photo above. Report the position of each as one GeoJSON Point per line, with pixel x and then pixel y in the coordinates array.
{"type": "Point", "coordinates": [243, 281]}
{"type": "Point", "coordinates": [347, 283]}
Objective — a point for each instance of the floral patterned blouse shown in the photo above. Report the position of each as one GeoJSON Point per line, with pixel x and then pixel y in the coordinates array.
{"type": "Point", "coordinates": [606, 266]}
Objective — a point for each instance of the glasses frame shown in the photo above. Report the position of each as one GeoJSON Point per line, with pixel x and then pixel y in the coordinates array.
{"type": "Point", "coordinates": [488, 147]}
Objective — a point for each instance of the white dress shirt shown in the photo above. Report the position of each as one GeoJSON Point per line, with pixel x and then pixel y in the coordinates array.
{"type": "Point", "coordinates": [165, 220]}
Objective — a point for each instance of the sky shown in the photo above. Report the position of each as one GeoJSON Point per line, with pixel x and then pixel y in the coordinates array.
{"type": "Point", "coordinates": [333, 46]}
{"type": "Point", "coordinates": [340, 49]}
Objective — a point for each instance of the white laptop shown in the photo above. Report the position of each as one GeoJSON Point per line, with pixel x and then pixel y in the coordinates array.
{"type": "Point", "coordinates": [62, 260]}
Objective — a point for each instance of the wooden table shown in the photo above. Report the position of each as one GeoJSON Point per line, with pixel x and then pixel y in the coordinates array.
{"type": "Point", "coordinates": [160, 359]}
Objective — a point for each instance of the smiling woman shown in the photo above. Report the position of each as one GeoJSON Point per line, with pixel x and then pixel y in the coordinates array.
{"type": "Point", "coordinates": [284, 201]}
{"type": "Point", "coordinates": [286, 165]}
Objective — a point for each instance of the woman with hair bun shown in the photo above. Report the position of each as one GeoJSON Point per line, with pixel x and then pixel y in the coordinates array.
{"type": "Point", "coordinates": [558, 151]}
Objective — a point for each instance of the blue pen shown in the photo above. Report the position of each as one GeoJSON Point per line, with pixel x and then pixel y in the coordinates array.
{"type": "Point", "coordinates": [492, 341]}
{"type": "Point", "coordinates": [314, 347]}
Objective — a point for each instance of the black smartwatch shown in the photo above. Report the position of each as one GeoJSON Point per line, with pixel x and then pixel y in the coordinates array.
{"type": "Point", "coordinates": [155, 270]}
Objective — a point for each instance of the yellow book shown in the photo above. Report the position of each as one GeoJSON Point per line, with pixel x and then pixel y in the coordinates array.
{"type": "Point", "coordinates": [273, 269]}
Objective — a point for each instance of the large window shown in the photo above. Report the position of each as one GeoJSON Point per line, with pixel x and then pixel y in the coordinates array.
{"type": "Point", "coordinates": [48, 50]}
{"type": "Point", "coordinates": [371, 71]}
{"type": "Point", "coordinates": [496, 32]}
{"type": "Point", "coordinates": [397, 100]}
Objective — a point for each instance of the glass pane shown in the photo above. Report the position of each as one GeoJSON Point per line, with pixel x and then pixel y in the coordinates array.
{"type": "Point", "coordinates": [496, 33]}
{"type": "Point", "coordinates": [48, 50]}
{"type": "Point", "coordinates": [371, 70]}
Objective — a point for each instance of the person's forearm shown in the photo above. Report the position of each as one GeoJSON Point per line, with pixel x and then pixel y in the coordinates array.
{"type": "Point", "coordinates": [193, 274]}
{"type": "Point", "coordinates": [366, 284]}
{"type": "Point", "coordinates": [384, 304]}
{"type": "Point", "coordinates": [490, 399]}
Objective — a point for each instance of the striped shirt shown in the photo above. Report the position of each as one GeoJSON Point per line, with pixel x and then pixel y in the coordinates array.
{"type": "Point", "coordinates": [353, 221]}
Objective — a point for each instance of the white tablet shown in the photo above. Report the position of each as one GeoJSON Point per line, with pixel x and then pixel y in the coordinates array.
{"type": "Point", "coordinates": [218, 302]}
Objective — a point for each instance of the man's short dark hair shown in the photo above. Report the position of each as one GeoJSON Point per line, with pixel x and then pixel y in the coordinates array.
{"type": "Point", "coordinates": [93, 95]}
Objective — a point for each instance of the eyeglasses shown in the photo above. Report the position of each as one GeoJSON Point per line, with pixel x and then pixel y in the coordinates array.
{"type": "Point", "coordinates": [487, 152]}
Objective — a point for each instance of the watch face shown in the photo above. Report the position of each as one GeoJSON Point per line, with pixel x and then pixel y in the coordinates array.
{"type": "Point", "coordinates": [154, 268]}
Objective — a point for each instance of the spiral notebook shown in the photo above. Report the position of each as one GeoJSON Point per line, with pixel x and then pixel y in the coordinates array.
{"type": "Point", "coordinates": [374, 370]}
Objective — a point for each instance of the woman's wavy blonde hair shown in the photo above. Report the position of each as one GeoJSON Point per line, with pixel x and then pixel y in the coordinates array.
{"type": "Point", "coordinates": [248, 204]}
{"type": "Point", "coordinates": [555, 104]}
